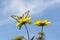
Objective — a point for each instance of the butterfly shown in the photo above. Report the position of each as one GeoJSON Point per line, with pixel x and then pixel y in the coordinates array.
{"type": "Point", "coordinates": [21, 17]}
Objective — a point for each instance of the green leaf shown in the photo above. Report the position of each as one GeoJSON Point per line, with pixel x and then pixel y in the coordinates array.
{"type": "Point", "coordinates": [32, 37]}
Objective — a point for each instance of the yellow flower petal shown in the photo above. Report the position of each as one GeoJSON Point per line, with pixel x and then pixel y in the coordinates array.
{"type": "Point", "coordinates": [37, 23]}
{"type": "Point", "coordinates": [42, 23]}
{"type": "Point", "coordinates": [23, 21]}
{"type": "Point", "coordinates": [45, 20]}
{"type": "Point", "coordinates": [29, 22]}
{"type": "Point", "coordinates": [19, 25]}
{"type": "Point", "coordinates": [27, 19]}
{"type": "Point", "coordinates": [47, 24]}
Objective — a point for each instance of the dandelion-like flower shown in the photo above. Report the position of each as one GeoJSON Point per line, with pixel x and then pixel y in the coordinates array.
{"type": "Point", "coordinates": [23, 21]}
{"type": "Point", "coordinates": [42, 23]}
{"type": "Point", "coordinates": [19, 38]}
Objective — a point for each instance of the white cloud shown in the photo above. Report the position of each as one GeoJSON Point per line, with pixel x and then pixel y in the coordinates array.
{"type": "Point", "coordinates": [20, 6]}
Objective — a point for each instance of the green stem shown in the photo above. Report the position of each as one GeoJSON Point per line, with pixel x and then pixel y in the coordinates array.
{"type": "Point", "coordinates": [42, 29]}
{"type": "Point", "coordinates": [27, 31]}
{"type": "Point", "coordinates": [42, 33]}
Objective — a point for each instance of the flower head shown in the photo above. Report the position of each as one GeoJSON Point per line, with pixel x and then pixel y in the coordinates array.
{"type": "Point", "coordinates": [23, 21]}
{"type": "Point", "coordinates": [42, 23]}
{"type": "Point", "coordinates": [19, 38]}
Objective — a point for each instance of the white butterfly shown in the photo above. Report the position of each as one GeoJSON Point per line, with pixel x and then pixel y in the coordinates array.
{"type": "Point", "coordinates": [21, 17]}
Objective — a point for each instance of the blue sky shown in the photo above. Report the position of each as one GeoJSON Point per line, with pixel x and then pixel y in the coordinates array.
{"type": "Point", "coordinates": [39, 9]}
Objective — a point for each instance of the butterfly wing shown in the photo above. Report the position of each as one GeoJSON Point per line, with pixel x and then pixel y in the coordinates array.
{"type": "Point", "coordinates": [21, 17]}
{"type": "Point", "coordinates": [25, 14]}
{"type": "Point", "coordinates": [15, 17]}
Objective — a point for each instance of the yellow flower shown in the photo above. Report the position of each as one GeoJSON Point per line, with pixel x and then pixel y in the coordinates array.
{"type": "Point", "coordinates": [23, 21]}
{"type": "Point", "coordinates": [19, 38]}
{"type": "Point", "coordinates": [42, 23]}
